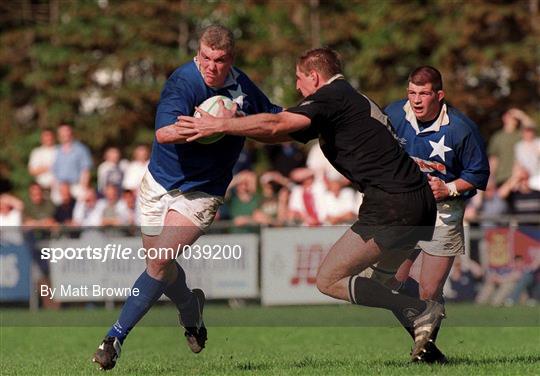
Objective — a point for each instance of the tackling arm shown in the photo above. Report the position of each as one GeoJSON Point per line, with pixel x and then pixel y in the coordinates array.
{"type": "Point", "coordinates": [262, 127]}
{"type": "Point", "coordinates": [266, 125]}
{"type": "Point", "coordinates": [172, 134]}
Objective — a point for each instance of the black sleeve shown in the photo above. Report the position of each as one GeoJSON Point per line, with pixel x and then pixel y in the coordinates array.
{"type": "Point", "coordinates": [305, 135]}
{"type": "Point", "coordinates": [316, 108]}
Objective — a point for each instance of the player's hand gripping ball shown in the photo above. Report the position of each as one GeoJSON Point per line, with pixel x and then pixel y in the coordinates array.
{"type": "Point", "coordinates": [211, 105]}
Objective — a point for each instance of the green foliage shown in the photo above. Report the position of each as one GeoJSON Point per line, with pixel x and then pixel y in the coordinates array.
{"type": "Point", "coordinates": [56, 53]}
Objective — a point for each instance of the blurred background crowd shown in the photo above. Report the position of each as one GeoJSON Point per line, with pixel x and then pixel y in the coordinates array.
{"type": "Point", "coordinates": [273, 185]}
{"type": "Point", "coordinates": [79, 83]}
{"type": "Point", "coordinates": [292, 184]}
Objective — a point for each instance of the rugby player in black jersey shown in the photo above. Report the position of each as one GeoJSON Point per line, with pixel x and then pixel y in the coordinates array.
{"type": "Point", "coordinates": [398, 208]}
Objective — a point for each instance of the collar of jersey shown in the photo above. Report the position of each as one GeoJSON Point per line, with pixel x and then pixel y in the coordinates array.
{"type": "Point", "coordinates": [338, 76]}
{"type": "Point", "coordinates": [442, 120]}
{"type": "Point", "coordinates": [229, 81]}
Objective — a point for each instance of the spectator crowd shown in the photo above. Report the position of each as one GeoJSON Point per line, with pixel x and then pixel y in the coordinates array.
{"type": "Point", "coordinates": [298, 187]}
{"type": "Point", "coordinates": [62, 193]}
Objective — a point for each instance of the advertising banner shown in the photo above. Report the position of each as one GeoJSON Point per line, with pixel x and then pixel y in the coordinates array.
{"type": "Point", "coordinates": [14, 272]}
{"type": "Point", "coordinates": [290, 258]}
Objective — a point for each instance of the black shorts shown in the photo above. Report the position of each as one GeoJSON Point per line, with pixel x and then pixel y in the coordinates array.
{"type": "Point", "coordinates": [396, 221]}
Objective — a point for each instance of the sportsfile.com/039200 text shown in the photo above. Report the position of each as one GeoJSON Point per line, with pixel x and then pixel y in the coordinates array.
{"type": "Point", "coordinates": [117, 252]}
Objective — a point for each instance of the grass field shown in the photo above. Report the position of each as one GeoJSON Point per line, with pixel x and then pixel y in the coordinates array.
{"type": "Point", "coordinates": [273, 341]}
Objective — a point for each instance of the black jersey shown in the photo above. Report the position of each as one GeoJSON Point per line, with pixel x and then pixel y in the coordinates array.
{"type": "Point", "coordinates": [357, 139]}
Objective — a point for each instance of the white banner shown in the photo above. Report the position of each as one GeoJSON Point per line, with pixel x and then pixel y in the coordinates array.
{"type": "Point", "coordinates": [100, 268]}
{"type": "Point", "coordinates": [290, 258]}
{"type": "Point", "coordinates": [233, 273]}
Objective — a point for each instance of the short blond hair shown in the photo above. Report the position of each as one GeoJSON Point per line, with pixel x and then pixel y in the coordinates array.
{"type": "Point", "coordinates": [217, 37]}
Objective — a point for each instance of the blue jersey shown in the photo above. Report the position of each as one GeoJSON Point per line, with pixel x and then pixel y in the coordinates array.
{"type": "Point", "coordinates": [194, 166]}
{"type": "Point", "coordinates": [450, 148]}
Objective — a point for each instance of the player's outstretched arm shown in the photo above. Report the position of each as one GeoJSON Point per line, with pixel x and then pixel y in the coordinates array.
{"type": "Point", "coordinates": [171, 134]}
{"type": "Point", "coordinates": [262, 127]}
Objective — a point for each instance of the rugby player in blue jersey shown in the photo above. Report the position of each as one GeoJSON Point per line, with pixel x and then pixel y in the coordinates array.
{"type": "Point", "coordinates": [447, 146]}
{"type": "Point", "coordinates": [184, 186]}
{"type": "Point", "coordinates": [399, 207]}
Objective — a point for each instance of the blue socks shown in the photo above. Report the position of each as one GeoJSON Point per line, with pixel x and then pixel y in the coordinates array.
{"type": "Point", "coordinates": [135, 307]}
{"type": "Point", "coordinates": [183, 298]}
{"type": "Point", "coordinates": [150, 290]}
{"type": "Point", "coordinates": [178, 291]}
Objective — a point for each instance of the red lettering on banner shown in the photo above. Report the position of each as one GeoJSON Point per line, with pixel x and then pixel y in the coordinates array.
{"type": "Point", "coordinates": [308, 259]}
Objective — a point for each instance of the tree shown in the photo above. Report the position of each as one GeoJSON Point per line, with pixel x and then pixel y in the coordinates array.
{"type": "Point", "coordinates": [100, 65]}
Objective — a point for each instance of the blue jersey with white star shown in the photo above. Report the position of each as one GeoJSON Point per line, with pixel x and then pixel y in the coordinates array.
{"type": "Point", "coordinates": [194, 166]}
{"type": "Point", "coordinates": [449, 148]}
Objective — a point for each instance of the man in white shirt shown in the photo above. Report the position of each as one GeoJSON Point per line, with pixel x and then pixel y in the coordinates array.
{"type": "Point", "coordinates": [305, 202]}
{"type": "Point", "coordinates": [42, 158]}
{"type": "Point", "coordinates": [340, 201]}
{"type": "Point", "coordinates": [527, 153]}
{"type": "Point", "coordinates": [136, 168]}
{"type": "Point", "coordinates": [88, 211]}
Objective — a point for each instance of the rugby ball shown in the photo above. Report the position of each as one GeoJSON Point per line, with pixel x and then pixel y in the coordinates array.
{"type": "Point", "coordinates": [211, 105]}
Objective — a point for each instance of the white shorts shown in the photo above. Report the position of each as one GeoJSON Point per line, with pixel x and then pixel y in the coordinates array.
{"type": "Point", "coordinates": [199, 207]}
{"type": "Point", "coordinates": [448, 237]}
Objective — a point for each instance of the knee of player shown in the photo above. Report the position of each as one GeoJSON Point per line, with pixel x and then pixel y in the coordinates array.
{"type": "Point", "coordinates": [323, 284]}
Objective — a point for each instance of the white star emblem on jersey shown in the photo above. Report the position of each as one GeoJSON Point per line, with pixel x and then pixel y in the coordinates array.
{"type": "Point", "coordinates": [439, 148]}
{"type": "Point", "coordinates": [238, 96]}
